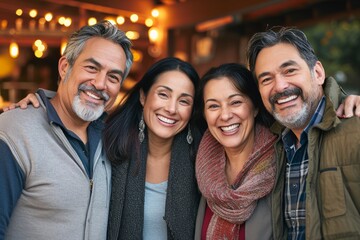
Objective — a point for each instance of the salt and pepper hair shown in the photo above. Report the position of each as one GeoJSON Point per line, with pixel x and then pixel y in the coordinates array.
{"type": "Point", "coordinates": [105, 30]}
{"type": "Point", "coordinates": [271, 37]}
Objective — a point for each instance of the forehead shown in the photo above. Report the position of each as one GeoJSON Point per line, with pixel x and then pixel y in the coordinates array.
{"type": "Point", "coordinates": [176, 80]}
{"type": "Point", "coordinates": [275, 56]}
{"type": "Point", "coordinates": [220, 86]}
{"type": "Point", "coordinates": [105, 51]}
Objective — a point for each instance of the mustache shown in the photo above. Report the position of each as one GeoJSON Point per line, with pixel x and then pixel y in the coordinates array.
{"type": "Point", "coordinates": [103, 95]}
{"type": "Point", "coordinates": [286, 93]}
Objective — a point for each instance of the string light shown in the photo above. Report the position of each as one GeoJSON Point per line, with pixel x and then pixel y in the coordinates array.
{"type": "Point", "coordinates": [14, 49]}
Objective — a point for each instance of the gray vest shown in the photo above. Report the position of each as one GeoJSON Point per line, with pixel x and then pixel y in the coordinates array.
{"type": "Point", "coordinates": [56, 202]}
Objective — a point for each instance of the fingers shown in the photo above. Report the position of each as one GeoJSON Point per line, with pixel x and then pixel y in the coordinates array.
{"type": "Point", "coordinates": [340, 111]}
{"type": "Point", "coordinates": [23, 103]}
{"type": "Point", "coordinates": [351, 106]}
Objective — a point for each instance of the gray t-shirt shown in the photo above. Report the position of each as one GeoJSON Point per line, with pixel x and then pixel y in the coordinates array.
{"type": "Point", "coordinates": [154, 211]}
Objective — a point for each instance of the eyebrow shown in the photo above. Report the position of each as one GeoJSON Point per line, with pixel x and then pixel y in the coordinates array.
{"type": "Point", "coordinates": [182, 94]}
{"type": "Point", "coordinates": [93, 61]}
{"type": "Point", "coordinates": [283, 65]}
{"type": "Point", "coordinates": [231, 96]}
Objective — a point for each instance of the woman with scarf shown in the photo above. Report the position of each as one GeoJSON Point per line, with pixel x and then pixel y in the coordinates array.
{"type": "Point", "coordinates": [235, 165]}
{"type": "Point", "coordinates": [152, 144]}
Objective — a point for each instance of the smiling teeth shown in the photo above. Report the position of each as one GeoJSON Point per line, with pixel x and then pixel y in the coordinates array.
{"type": "Point", "coordinates": [280, 101]}
{"type": "Point", "coordinates": [166, 120]}
{"type": "Point", "coordinates": [229, 128]}
{"type": "Point", "coordinates": [92, 95]}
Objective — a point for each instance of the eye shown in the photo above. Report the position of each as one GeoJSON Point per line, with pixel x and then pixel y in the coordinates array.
{"type": "Point", "coordinates": [212, 106]}
{"type": "Point", "coordinates": [114, 78]}
{"type": "Point", "coordinates": [265, 81]}
{"type": "Point", "coordinates": [290, 71]}
{"type": "Point", "coordinates": [163, 95]}
{"type": "Point", "coordinates": [91, 68]}
{"type": "Point", "coordinates": [185, 102]}
{"type": "Point", "coordinates": [236, 102]}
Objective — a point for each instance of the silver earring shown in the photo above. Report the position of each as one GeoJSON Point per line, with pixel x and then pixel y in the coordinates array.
{"type": "Point", "coordinates": [141, 129]}
{"type": "Point", "coordinates": [189, 137]}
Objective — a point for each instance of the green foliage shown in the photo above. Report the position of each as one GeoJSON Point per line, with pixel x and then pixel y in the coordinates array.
{"type": "Point", "coordinates": [337, 45]}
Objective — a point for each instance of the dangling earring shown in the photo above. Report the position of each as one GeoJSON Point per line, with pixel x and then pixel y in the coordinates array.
{"type": "Point", "coordinates": [141, 129]}
{"type": "Point", "coordinates": [189, 137]}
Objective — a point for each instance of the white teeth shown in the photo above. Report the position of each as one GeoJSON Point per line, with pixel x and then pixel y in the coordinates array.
{"type": "Point", "coordinates": [92, 95]}
{"type": "Point", "coordinates": [166, 120]}
{"type": "Point", "coordinates": [230, 128]}
{"type": "Point", "coordinates": [284, 100]}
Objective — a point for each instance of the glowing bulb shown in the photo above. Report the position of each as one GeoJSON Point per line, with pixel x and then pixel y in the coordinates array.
{"type": "Point", "coordinates": [19, 12]}
{"type": "Point", "coordinates": [155, 13]}
{"type": "Point", "coordinates": [14, 50]}
{"type": "Point", "coordinates": [33, 13]}
{"type": "Point", "coordinates": [153, 34]}
{"type": "Point", "coordinates": [48, 17]}
{"type": "Point", "coordinates": [134, 17]}
{"type": "Point", "coordinates": [92, 21]}
{"type": "Point", "coordinates": [120, 20]}
{"type": "Point", "coordinates": [149, 22]}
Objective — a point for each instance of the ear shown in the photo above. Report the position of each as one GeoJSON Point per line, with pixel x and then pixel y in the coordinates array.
{"type": "Point", "coordinates": [142, 97]}
{"type": "Point", "coordinates": [319, 73]}
{"type": "Point", "coordinates": [63, 66]}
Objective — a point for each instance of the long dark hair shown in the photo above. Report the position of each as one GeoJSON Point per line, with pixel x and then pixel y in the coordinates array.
{"type": "Point", "coordinates": [243, 80]}
{"type": "Point", "coordinates": [120, 136]}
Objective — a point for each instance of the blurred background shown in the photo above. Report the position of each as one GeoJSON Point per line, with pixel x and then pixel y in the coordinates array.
{"type": "Point", "coordinates": [205, 33]}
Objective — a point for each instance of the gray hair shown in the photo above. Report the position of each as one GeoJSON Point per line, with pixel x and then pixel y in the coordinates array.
{"type": "Point", "coordinates": [269, 38]}
{"type": "Point", "coordinates": [103, 29]}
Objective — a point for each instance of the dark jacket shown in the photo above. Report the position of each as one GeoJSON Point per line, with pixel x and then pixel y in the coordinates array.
{"type": "Point", "coordinates": [333, 181]}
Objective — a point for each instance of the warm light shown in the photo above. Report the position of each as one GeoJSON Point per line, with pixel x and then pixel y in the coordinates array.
{"type": "Point", "coordinates": [132, 35]}
{"type": "Point", "coordinates": [120, 20]}
{"type": "Point", "coordinates": [92, 21]}
{"type": "Point", "coordinates": [19, 12]}
{"type": "Point", "coordinates": [18, 23]}
{"type": "Point", "coordinates": [4, 24]}
{"type": "Point", "coordinates": [48, 17]}
{"type": "Point", "coordinates": [67, 22]}
{"type": "Point", "coordinates": [38, 43]}
{"type": "Point", "coordinates": [134, 17]}
{"type": "Point", "coordinates": [33, 13]}
{"type": "Point", "coordinates": [63, 46]}
{"type": "Point", "coordinates": [14, 50]}
{"type": "Point", "coordinates": [42, 22]}
{"type": "Point", "coordinates": [155, 13]}
{"type": "Point", "coordinates": [153, 34]}
{"type": "Point", "coordinates": [137, 55]}
{"type": "Point", "coordinates": [38, 53]}
{"type": "Point", "coordinates": [111, 20]}
{"type": "Point", "coordinates": [149, 22]}
{"type": "Point", "coordinates": [61, 20]}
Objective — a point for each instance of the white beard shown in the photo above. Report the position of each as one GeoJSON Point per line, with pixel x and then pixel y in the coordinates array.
{"type": "Point", "coordinates": [87, 111]}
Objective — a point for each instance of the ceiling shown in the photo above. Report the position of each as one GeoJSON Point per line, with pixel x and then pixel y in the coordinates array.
{"type": "Point", "coordinates": [174, 14]}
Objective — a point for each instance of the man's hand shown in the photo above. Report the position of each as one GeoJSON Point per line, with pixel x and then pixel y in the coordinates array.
{"type": "Point", "coordinates": [350, 107]}
{"type": "Point", "coordinates": [23, 103]}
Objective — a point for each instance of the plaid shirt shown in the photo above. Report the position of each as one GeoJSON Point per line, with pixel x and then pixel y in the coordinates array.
{"type": "Point", "coordinates": [296, 173]}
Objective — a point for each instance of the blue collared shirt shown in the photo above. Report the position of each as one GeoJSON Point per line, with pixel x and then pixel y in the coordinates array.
{"type": "Point", "coordinates": [295, 178]}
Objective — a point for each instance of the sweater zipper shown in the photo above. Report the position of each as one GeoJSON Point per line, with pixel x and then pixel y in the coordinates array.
{"type": "Point", "coordinates": [91, 185]}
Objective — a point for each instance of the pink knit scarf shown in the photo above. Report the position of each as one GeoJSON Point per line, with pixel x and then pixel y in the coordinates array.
{"type": "Point", "coordinates": [232, 207]}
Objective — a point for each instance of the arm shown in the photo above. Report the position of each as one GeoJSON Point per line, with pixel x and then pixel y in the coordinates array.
{"type": "Point", "coordinates": [350, 105]}
{"type": "Point", "coordinates": [12, 181]}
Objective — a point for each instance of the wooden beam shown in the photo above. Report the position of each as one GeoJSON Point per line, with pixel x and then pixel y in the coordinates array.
{"type": "Point", "coordinates": [193, 12]}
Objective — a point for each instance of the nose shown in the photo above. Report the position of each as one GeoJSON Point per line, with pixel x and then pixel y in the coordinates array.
{"type": "Point", "coordinates": [280, 83]}
{"type": "Point", "coordinates": [226, 113]}
{"type": "Point", "coordinates": [171, 106]}
{"type": "Point", "coordinates": [99, 82]}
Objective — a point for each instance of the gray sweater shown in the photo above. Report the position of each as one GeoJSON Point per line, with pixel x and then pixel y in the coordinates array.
{"type": "Point", "coordinates": [56, 202]}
